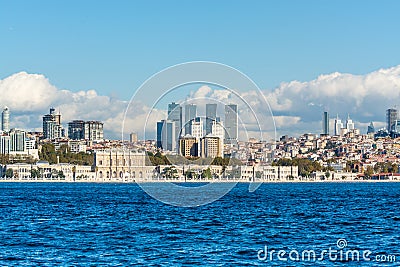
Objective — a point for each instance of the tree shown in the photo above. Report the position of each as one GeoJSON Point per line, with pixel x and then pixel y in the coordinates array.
{"type": "Point", "coordinates": [327, 175]}
{"type": "Point", "coordinates": [369, 172]}
{"type": "Point", "coordinates": [206, 174]}
{"type": "Point", "coordinates": [9, 173]}
{"type": "Point", "coordinates": [60, 174]}
{"type": "Point", "coordinates": [35, 173]}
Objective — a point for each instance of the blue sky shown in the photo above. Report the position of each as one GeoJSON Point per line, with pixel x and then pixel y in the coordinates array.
{"type": "Point", "coordinates": [113, 46]}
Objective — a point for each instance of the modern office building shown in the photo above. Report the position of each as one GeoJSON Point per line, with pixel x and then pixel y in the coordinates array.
{"type": "Point", "coordinates": [338, 126]}
{"type": "Point", "coordinates": [325, 123]}
{"type": "Point", "coordinates": [94, 131]}
{"type": "Point", "coordinates": [188, 146]}
{"type": "Point", "coordinates": [166, 139]}
{"type": "Point", "coordinates": [391, 117]}
{"type": "Point", "coordinates": [76, 130]}
{"type": "Point", "coordinates": [17, 140]}
{"type": "Point", "coordinates": [89, 130]}
{"type": "Point", "coordinates": [231, 124]}
{"type": "Point", "coordinates": [190, 115]}
{"type": "Point", "coordinates": [52, 125]}
{"type": "Point", "coordinates": [217, 129]}
{"type": "Point", "coordinates": [371, 128]}
{"type": "Point", "coordinates": [197, 128]}
{"type": "Point", "coordinates": [5, 120]}
{"type": "Point", "coordinates": [175, 115]}
{"type": "Point", "coordinates": [349, 124]}
{"type": "Point", "coordinates": [211, 115]}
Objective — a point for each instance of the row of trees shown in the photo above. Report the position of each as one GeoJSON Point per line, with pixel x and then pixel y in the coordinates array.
{"type": "Point", "coordinates": [159, 159]}
{"type": "Point", "coordinates": [306, 166]}
{"type": "Point", "coordinates": [172, 172]}
{"type": "Point", "coordinates": [50, 154]}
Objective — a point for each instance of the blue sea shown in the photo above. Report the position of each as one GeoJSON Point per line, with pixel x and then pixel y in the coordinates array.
{"type": "Point", "coordinates": [77, 224]}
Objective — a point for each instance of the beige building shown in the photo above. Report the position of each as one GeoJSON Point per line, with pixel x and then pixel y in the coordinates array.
{"type": "Point", "coordinates": [188, 146]}
{"type": "Point", "coordinates": [122, 165]}
{"type": "Point", "coordinates": [211, 147]}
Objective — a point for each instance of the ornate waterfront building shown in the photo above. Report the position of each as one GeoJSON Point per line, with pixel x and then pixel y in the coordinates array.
{"type": "Point", "coordinates": [122, 165]}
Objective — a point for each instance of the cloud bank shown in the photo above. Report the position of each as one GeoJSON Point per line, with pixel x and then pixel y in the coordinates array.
{"type": "Point", "coordinates": [297, 106]}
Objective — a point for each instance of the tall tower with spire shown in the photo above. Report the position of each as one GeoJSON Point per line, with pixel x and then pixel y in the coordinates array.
{"type": "Point", "coordinates": [349, 123]}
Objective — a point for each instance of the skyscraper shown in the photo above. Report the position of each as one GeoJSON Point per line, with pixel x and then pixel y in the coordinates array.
{"type": "Point", "coordinates": [166, 135]}
{"type": "Point", "coordinates": [52, 125]}
{"type": "Point", "coordinates": [76, 130]}
{"type": "Point", "coordinates": [338, 126]}
{"type": "Point", "coordinates": [371, 128]}
{"type": "Point", "coordinates": [5, 120]}
{"type": "Point", "coordinates": [190, 114]}
{"type": "Point", "coordinates": [325, 123]}
{"type": "Point", "coordinates": [175, 115]}
{"type": "Point", "coordinates": [391, 117]}
{"type": "Point", "coordinates": [231, 124]}
{"type": "Point", "coordinates": [211, 115]}
{"type": "Point", "coordinates": [349, 124]}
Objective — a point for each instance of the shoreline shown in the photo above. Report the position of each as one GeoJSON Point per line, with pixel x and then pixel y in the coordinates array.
{"type": "Point", "coordinates": [196, 181]}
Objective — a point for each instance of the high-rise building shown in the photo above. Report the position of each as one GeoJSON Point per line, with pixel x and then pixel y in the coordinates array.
{"type": "Point", "coordinates": [188, 146]}
{"type": "Point", "coordinates": [371, 128]}
{"type": "Point", "coordinates": [231, 124]}
{"type": "Point", "coordinates": [349, 124]}
{"type": "Point", "coordinates": [166, 135]}
{"type": "Point", "coordinates": [211, 115]}
{"type": "Point", "coordinates": [211, 147]}
{"type": "Point", "coordinates": [325, 123]}
{"type": "Point", "coordinates": [217, 129]}
{"type": "Point", "coordinates": [175, 115]}
{"type": "Point", "coordinates": [94, 131]}
{"type": "Point", "coordinates": [89, 130]}
{"type": "Point", "coordinates": [5, 120]}
{"type": "Point", "coordinates": [4, 144]}
{"type": "Point", "coordinates": [190, 114]}
{"type": "Point", "coordinates": [133, 137]}
{"type": "Point", "coordinates": [17, 140]}
{"type": "Point", "coordinates": [197, 128]}
{"type": "Point", "coordinates": [338, 126]}
{"type": "Point", "coordinates": [391, 117]}
{"type": "Point", "coordinates": [76, 130]}
{"type": "Point", "coordinates": [52, 125]}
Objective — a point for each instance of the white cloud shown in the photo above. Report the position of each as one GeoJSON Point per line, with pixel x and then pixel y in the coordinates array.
{"type": "Point", "coordinates": [297, 106]}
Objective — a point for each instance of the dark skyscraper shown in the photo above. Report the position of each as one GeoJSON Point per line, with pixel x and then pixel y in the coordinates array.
{"type": "Point", "coordinates": [231, 124]}
{"type": "Point", "coordinates": [211, 115]}
{"type": "Point", "coordinates": [325, 123]}
{"type": "Point", "coordinates": [391, 117]}
{"type": "Point", "coordinates": [190, 114]}
{"type": "Point", "coordinates": [371, 128]}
